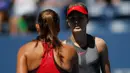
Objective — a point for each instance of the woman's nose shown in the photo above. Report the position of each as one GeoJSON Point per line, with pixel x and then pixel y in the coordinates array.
{"type": "Point", "coordinates": [76, 23]}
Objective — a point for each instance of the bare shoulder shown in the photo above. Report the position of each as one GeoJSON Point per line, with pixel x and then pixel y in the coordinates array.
{"type": "Point", "coordinates": [69, 50]}
{"type": "Point", "coordinates": [100, 44]}
{"type": "Point", "coordinates": [26, 48]}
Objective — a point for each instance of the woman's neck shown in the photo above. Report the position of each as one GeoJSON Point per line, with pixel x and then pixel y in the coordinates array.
{"type": "Point", "coordinates": [80, 40]}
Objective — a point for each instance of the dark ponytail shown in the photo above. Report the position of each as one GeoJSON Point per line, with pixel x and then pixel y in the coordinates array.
{"type": "Point", "coordinates": [48, 21]}
{"type": "Point", "coordinates": [49, 27]}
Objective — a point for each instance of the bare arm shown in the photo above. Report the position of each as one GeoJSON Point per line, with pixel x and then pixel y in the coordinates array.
{"type": "Point", "coordinates": [70, 59]}
{"type": "Point", "coordinates": [75, 68]}
{"type": "Point", "coordinates": [21, 62]}
{"type": "Point", "coordinates": [104, 59]}
{"type": "Point", "coordinates": [105, 64]}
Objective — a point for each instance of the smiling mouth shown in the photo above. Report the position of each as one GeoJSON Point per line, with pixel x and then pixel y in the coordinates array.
{"type": "Point", "coordinates": [76, 29]}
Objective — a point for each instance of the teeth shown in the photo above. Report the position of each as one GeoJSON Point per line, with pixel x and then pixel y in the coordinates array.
{"type": "Point", "coordinates": [77, 29]}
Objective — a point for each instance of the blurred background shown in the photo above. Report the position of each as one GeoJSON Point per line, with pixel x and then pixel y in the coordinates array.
{"type": "Point", "coordinates": [109, 19]}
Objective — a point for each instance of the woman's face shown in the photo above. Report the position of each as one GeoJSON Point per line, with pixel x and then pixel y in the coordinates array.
{"type": "Point", "coordinates": [77, 21]}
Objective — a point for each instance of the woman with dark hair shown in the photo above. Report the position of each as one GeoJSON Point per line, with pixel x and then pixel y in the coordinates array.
{"type": "Point", "coordinates": [47, 54]}
{"type": "Point", "coordinates": [92, 51]}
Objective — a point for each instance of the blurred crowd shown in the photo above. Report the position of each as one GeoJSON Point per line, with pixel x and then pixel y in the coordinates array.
{"type": "Point", "coordinates": [19, 16]}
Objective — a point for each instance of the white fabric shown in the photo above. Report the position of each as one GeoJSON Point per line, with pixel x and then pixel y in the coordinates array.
{"type": "Point", "coordinates": [24, 6]}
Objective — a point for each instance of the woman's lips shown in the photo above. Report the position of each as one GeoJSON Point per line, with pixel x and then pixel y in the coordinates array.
{"type": "Point", "coordinates": [76, 29]}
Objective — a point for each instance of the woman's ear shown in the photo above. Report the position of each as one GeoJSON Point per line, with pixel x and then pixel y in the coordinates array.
{"type": "Point", "coordinates": [37, 27]}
